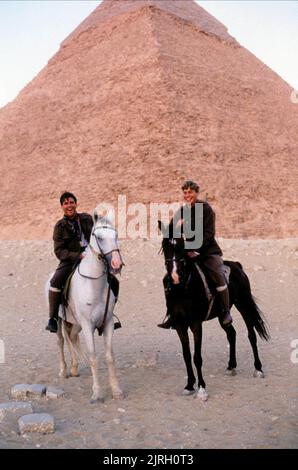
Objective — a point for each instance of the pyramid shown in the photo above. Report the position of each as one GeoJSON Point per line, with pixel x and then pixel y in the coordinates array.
{"type": "Point", "coordinates": [186, 10]}
{"type": "Point", "coordinates": [141, 96]}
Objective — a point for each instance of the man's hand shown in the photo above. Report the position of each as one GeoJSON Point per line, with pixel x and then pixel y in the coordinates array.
{"type": "Point", "coordinates": [175, 277]}
{"type": "Point", "coordinates": [180, 222]}
{"type": "Point", "coordinates": [193, 254]}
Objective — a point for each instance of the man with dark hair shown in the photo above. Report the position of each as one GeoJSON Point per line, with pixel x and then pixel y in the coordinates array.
{"type": "Point", "coordinates": [209, 252]}
{"type": "Point", "coordinates": [67, 195]}
{"type": "Point", "coordinates": [71, 236]}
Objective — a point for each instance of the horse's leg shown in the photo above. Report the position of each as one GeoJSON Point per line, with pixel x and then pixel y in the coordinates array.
{"type": "Point", "coordinates": [89, 338]}
{"type": "Point", "coordinates": [63, 365]}
{"type": "Point", "coordinates": [183, 335]}
{"type": "Point", "coordinates": [231, 336]}
{"type": "Point", "coordinates": [108, 336]}
{"type": "Point", "coordinates": [197, 332]}
{"type": "Point", "coordinates": [77, 345]}
{"type": "Point", "coordinates": [71, 338]}
{"type": "Point", "coordinates": [74, 339]}
{"type": "Point", "coordinates": [252, 339]}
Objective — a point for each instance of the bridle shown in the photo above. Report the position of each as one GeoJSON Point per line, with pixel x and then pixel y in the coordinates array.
{"type": "Point", "coordinates": [101, 255]}
{"type": "Point", "coordinates": [175, 260]}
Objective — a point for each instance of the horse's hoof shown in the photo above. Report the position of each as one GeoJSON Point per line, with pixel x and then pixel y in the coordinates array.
{"type": "Point", "coordinates": [74, 374]}
{"type": "Point", "coordinates": [63, 375]}
{"type": "Point", "coordinates": [231, 372]}
{"type": "Point", "coordinates": [118, 394]}
{"type": "Point", "coordinates": [202, 394]}
{"type": "Point", "coordinates": [259, 374]}
{"type": "Point", "coordinates": [187, 392]}
{"type": "Point", "coordinates": [93, 401]}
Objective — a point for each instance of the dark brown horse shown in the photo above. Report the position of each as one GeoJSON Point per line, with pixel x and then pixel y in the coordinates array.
{"type": "Point", "coordinates": [189, 306]}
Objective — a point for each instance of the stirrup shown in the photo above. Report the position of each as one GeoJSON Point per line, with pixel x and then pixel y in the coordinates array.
{"type": "Point", "coordinates": [227, 319]}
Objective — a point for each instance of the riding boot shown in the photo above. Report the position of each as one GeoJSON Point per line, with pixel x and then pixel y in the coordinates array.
{"type": "Point", "coordinates": [115, 289]}
{"type": "Point", "coordinates": [225, 317]}
{"type": "Point", "coordinates": [54, 303]}
{"type": "Point", "coordinates": [117, 324]}
{"type": "Point", "coordinates": [166, 324]}
{"type": "Point", "coordinates": [114, 286]}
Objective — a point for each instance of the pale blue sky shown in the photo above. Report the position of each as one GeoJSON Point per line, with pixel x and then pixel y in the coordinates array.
{"type": "Point", "coordinates": [32, 30]}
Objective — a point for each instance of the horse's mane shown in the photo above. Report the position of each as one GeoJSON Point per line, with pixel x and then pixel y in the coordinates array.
{"type": "Point", "coordinates": [166, 240]}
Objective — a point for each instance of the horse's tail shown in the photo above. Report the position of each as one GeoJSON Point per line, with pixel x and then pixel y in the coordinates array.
{"type": "Point", "coordinates": [256, 317]}
{"type": "Point", "coordinates": [247, 305]}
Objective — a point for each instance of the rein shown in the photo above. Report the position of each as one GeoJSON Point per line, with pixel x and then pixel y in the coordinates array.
{"type": "Point", "coordinates": [100, 329]}
{"type": "Point", "coordinates": [174, 260]}
{"type": "Point", "coordinates": [102, 256]}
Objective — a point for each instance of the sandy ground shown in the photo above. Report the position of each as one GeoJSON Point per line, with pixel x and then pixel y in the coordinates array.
{"type": "Point", "coordinates": [242, 412]}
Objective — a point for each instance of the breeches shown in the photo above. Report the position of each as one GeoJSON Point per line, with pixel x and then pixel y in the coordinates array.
{"type": "Point", "coordinates": [61, 274]}
{"type": "Point", "coordinates": [214, 266]}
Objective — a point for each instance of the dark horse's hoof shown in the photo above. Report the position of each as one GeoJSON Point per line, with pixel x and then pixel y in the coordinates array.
{"type": "Point", "coordinates": [52, 326]}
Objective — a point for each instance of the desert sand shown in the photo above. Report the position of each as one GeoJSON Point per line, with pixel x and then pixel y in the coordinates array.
{"type": "Point", "coordinates": [242, 412]}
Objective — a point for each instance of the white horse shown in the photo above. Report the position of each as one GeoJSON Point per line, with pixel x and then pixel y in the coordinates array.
{"type": "Point", "coordinates": [90, 305]}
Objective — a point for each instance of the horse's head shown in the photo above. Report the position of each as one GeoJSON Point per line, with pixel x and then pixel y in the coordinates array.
{"type": "Point", "coordinates": [104, 242]}
{"type": "Point", "coordinates": [173, 250]}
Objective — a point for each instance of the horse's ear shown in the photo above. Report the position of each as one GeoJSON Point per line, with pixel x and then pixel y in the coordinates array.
{"type": "Point", "coordinates": [162, 227]}
{"type": "Point", "coordinates": [97, 215]}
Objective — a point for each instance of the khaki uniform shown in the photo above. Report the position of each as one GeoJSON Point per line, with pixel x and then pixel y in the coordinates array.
{"type": "Point", "coordinates": [68, 245]}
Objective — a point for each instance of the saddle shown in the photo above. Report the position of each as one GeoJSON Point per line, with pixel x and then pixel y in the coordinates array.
{"type": "Point", "coordinates": [208, 285]}
{"type": "Point", "coordinates": [65, 291]}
